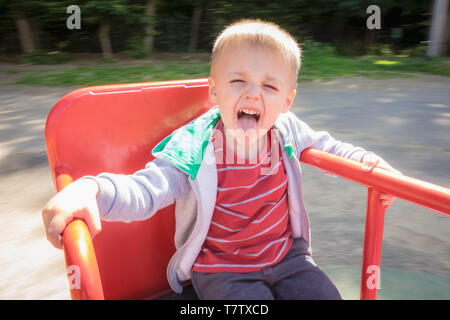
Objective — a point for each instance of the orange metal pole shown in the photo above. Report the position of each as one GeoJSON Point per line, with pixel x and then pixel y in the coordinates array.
{"type": "Point", "coordinates": [62, 181]}
{"type": "Point", "coordinates": [414, 190]}
{"type": "Point", "coordinates": [81, 262]}
{"type": "Point", "coordinates": [373, 242]}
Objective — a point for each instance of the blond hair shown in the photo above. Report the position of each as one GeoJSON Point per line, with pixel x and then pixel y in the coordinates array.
{"type": "Point", "coordinates": [262, 34]}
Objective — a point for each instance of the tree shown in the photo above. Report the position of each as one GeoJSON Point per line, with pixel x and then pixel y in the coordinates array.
{"type": "Point", "coordinates": [150, 19]}
{"type": "Point", "coordinates": [437, 41]}
{"type": "Point", "coordinates": [27, 38]}
{"type": "Point", "coordinates": [104, 13]}
{"type": "Point", "coordinates": [28, 29]}
{"type": "Point", "coordinates": [196, 15]}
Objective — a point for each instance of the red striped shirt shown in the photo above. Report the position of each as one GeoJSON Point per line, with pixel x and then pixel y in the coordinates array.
{"type": "Point", "coordinates": [250, 226]}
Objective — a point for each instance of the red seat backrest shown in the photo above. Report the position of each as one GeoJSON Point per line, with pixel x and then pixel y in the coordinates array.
{"type": "Point", "coordinates": [113, 129]}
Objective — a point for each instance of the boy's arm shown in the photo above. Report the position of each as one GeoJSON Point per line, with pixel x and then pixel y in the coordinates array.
{"type": "Point", "coordinates": [322, 140]}
{"type": "Point", "coordinates": [113, 197]}
{"type": "Point", "coordinates": [138, 196]}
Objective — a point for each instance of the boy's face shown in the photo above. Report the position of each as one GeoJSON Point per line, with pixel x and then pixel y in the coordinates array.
{"type": "Point", "coordinates": [252, 86]}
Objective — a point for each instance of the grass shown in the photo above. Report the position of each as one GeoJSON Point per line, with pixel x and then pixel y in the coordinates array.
{"type": "Point", "coordinates": [319, 63]}
{"type": "Point", "coordinates": [110, 74]}
{"type": "Point", "coordinates": [325, 67]}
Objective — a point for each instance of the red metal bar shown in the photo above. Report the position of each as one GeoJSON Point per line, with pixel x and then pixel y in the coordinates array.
{"type": "Point", "coordinates": [84, 277]}
{"type": "Point", "coordinates": [378, 180]}
{"type": "Point", "coordinates": [81, 263]}
{"type": "Point", "coordinates": [373, 242]}
{"type": "Point", "coordinates": [413, 190]}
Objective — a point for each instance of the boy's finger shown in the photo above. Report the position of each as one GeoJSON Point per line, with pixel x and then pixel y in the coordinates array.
{"type": "Point", "coordinates": [368, 166]}
{"type": "Point", "coordinates": [370, 163]}
{"type": "Point", "coordinates": [55, 229]}
{"type": "Point", "coordinates": [58, 242]}
{"type": "Point", "coordinates": [92, 218]}
{"type": "Point", "coordinates": [55, 240]}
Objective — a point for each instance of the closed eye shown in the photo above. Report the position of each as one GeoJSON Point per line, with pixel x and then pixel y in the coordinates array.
{"type": "Point", "coordinates": [237, 81]}
{"type": "Point", "coordinates": [271, 87]}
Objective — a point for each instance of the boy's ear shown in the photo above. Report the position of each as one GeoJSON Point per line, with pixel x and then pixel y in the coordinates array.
{"type": "Point", "coordinates": [289, 101]}
{"type": "Point", "coordinates": [212, 90]}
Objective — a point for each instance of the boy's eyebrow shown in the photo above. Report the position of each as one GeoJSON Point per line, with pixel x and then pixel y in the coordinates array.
{"type": "Point", "coordinates": [241, 74]}
{"type": "Point", "coordinates": [272, 79]}
{"type": "Point", "coordinates": [236, 73]}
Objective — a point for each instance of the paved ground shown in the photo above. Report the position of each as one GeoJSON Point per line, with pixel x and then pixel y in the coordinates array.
{"type": "Point", "coordinates": [407, 121]}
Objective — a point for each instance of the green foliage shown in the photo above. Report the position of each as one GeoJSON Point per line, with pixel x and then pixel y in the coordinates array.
{"type": "Point", "coordinates": [43, 57]}
{"type": "Point", "coordinates": [341, 22]}
{"type": "Point", "coordinates": [354, 48]}
{"type": "Point", "coordinates": [417, 51]}
{"type": "Point", "coordinates": [381, 49]}
{"type": "Point", "coordinates": [123, 11]}
{"type": "Point", "coordinates": [312, 48]}
{"type": "Point", "coordinates": [135, 48]}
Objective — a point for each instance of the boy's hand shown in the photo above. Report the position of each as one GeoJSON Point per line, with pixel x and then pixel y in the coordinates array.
{"type": "Point", "coordinates": [77, 200]}
{"type": "Point", "coordinates": [371, 161]}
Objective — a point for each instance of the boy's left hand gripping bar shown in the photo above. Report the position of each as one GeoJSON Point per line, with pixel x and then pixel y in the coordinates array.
{"type": "Point", "coordinates": [81, 263]}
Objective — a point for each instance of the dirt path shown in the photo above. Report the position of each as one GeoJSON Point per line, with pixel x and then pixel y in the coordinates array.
{"type": "Point", "coordinates": [407, 121]}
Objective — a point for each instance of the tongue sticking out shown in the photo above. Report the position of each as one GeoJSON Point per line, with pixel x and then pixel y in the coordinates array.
{"type": "Point", "coordinates": [247, 122]}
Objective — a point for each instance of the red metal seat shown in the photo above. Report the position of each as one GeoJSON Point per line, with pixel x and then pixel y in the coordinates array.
{"type": "Point", "coordinates": [113, 129]}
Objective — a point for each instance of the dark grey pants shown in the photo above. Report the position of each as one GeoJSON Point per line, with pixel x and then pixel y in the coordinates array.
{"type": "Point", "coordinates": [296, 277]}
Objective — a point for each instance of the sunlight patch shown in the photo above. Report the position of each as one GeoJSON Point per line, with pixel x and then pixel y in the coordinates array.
{"type": "Point", "coordinates": [386, 62]}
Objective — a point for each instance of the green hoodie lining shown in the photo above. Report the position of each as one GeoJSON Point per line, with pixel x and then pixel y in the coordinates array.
{"type": "Point", "coordinates": [185, 150]}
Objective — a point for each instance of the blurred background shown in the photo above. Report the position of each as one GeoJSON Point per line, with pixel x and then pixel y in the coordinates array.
{"type": "Point", "coordinates": [342, 34]}
{"type": "Point", "coordinates": [138, 27]}
{"type": "Point", "coordinates": [378, 80]}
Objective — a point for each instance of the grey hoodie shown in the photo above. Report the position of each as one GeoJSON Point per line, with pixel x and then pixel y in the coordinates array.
{"type": "Point", "coordinates": [184, 172]}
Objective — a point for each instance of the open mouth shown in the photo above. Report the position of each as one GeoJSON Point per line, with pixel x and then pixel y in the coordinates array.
{"type": "Point", "coordinates": [248, 113]}
{"type": "Point", "coordinates": [247, 119]}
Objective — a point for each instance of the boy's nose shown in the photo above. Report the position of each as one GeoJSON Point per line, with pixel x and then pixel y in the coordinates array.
{"type": "Point", "coordinates": [252, 93]}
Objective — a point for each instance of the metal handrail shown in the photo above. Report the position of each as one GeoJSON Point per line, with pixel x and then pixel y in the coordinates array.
{"type": "Point", "coordinates": [378, 181]}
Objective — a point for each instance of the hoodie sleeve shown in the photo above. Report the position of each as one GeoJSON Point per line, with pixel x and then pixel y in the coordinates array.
{"type": "Point", "coordinates": [305, 137]}
{"type": "Point", "coordinates": [138, 196]}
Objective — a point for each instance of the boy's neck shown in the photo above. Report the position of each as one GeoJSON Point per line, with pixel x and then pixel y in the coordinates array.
{"type": "Point", "coordinates": [245, 149]}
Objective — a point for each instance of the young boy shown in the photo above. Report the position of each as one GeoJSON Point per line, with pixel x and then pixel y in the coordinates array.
{"type": "Point", "coordinates": [242, 230]}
